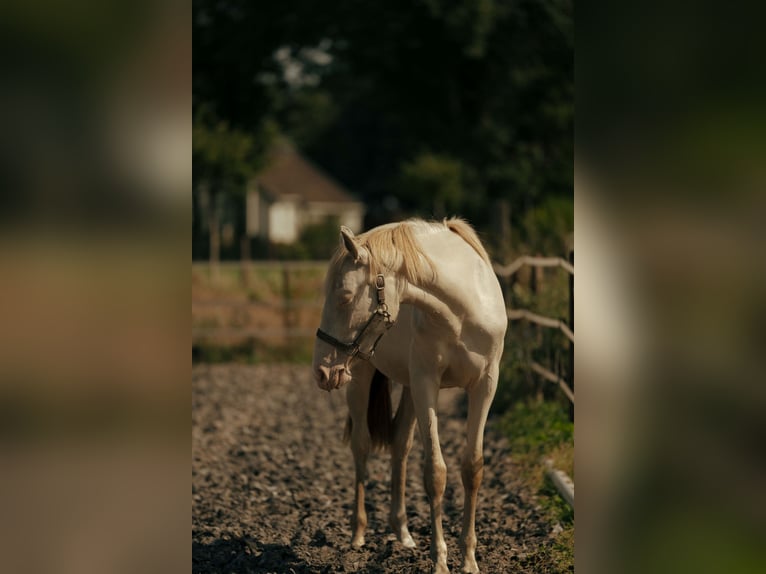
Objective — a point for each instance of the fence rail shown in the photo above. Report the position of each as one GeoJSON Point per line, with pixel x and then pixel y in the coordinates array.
{"type": "Point", "coordinates": [516, 314]}
{"type": "Point", "coordinates": [268, 301]}
{"type": "Point", "coordinates": [514, 266]}
{"type": "Point", "coordinates": [546, 374]}
{"type": "Point", "coordinates": [507, 271]}
{"type": "Point", "coordinates": [561, 481]}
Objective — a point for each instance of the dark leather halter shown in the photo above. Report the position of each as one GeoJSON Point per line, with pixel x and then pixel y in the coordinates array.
{"type": "Point", "coordinates": [380, 314]}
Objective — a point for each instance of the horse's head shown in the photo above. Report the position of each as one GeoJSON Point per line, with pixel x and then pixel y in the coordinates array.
{"type": "Point", "coordinates": [359, 307]}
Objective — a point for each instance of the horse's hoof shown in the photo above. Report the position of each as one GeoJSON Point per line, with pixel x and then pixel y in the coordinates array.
{"type": "Point", "coordinates": [403, 536]}
{"type": "Point", "coordinates": [408, 542]}
{"type": "Point", "coordinates": [440, 568]}
{"type": "Point", "coordinates": [470, 568]}
{"type": "Point", "coordinates": [357, 542]}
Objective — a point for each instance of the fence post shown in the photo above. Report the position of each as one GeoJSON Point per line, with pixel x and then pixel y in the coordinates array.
{"type": "Point", "coordinates": [244, 248]}
{"type": "Point", "coordinates": [571, 326]}
{"type": "Point", "coordinates": [286, 297]}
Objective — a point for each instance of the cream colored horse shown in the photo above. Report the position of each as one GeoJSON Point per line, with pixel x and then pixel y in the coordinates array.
{"type": "Point", "coordinates": [418, 303]}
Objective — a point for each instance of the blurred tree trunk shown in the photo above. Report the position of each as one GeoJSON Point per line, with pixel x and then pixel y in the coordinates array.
{"type": "Point", "coordinates": [215, 241]}
{"type": "Point", "coordinates": [208, 206]}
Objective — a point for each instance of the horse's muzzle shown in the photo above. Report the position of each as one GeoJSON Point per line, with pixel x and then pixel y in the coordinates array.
{"type": "Point", "coordinates": [329, 378]}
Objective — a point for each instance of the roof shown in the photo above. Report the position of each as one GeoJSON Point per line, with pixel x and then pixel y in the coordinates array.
{"type": "Point", "coordinates": [289, 173]}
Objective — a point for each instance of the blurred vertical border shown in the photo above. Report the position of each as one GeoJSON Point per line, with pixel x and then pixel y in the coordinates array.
{"type": "Point", "coordinates": [95, 177]}
{"type": "Point", "coordinates": [670, 210]}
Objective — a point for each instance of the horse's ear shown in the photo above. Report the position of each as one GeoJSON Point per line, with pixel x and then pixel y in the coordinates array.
{"type": "Point", "coordinates": [358, 252]}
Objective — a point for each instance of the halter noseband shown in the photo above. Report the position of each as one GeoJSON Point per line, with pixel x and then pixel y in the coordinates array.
{"type": "Point", "coordinates": [381, 313]}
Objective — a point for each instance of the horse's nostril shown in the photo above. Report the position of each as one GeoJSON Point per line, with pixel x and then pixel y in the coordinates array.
{"type": "Point", "coordinates": [322, 374]}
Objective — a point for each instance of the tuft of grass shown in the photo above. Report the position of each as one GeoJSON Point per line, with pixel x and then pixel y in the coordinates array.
{"type": "Point", "coordinates": [536, 430]}
{"type": "Point", "coordinates": [556, 555]}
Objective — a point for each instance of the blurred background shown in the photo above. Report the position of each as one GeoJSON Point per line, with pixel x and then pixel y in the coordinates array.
{"type": "Point", "coordinates": [670, 205]}
{"type": "Point", "coordinates": [95, 171]}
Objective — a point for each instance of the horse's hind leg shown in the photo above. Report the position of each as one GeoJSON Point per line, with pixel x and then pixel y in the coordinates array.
{"type": "Point", "coordinates": [357, 397]}
{"type": "Point", "coordinates": [404, 428]}
{"type": "Point", "coordinates": [472, 468]}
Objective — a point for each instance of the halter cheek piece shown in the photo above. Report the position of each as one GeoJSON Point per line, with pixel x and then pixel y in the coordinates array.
{"type": "Point", "coordinates": [380, 314]}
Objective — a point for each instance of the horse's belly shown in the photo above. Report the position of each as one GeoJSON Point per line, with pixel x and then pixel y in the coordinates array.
{"type": "Point", "coordinates": [461, 361]}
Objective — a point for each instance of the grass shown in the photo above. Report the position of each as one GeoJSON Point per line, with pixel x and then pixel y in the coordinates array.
{"type": "Point", "coordinates": [269, 286]}
{"type": "Point", "coordinates": [253, 353]}
{"type": "Point", "coordinates": [538, 429]}
{"type": "Point", "coordinates": [557, 556]}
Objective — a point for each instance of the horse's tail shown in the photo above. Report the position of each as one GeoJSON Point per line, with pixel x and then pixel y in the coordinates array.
{"type": "Point", "coordinates": [379, 414]}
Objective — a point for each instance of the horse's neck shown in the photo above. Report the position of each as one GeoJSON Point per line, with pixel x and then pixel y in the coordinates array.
{"type": "Point", "coordinates": [432, 304]}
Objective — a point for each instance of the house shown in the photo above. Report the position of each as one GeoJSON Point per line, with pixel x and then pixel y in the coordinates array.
{"type": "Point", "coordinates": [292, 193]}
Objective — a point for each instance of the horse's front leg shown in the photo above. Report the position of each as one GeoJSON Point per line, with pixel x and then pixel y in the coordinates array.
{"type": "Point", "coordinates": [472, 468]}
{"type": "Point", "coordinates": [425, 393]}
{"type": "Point", "coordinates": [404, 428]}
{"type": "Point", "coordinates": [357, 397]}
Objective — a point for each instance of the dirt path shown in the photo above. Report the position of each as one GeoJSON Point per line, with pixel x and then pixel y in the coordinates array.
{"type": "Point", "coordinates": [271, 484]}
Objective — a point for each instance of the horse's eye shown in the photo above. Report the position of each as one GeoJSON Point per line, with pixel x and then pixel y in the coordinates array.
{"type": "Point", "coordinates": [345, 298]}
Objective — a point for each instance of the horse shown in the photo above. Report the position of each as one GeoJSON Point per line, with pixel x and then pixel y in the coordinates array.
{"type": "Point", "coordinates": [416, 303]}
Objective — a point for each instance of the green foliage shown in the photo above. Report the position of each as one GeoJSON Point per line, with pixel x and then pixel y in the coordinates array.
{"type": "Point", "coordinates": [226, 157]}
{"type": "Point", "coordinates": [308, 115]}
{"type": "Point", "coordinates": [363, 87]}
{"type": "Point", "coordinates": [546, 228]}
{"type": "Point", "coordinates": [516, 382]}
{"type": "Point", "coordinates": [537, 427]}
{"type": "Point", "coordinates": [317, 242]}
{"type": "Point", "coordinates": [432, 183]}
{"type": "Point", "coordinates": [321, 239]}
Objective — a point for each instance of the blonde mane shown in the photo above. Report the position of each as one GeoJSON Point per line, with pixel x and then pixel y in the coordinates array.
{"type": "Point", "coordinates": [467, 234]}
{"type": "Point", "coordinates": [394, 247]}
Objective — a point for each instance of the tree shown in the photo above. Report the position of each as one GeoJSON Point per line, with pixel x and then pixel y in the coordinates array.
{"type": "Point", "coordinates": [432, 183]}
{"type": "Point", "coordinates": [486, 87]}
{"type": "Point", "coordinates": [224, 159]}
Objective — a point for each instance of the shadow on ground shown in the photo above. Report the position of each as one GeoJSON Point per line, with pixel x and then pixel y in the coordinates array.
{"type": "Point", "coordinates": [245, 557]}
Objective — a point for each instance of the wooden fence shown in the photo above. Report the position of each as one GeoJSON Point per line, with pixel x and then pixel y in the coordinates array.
{"type": "Point", "coordinates": [504, 272]}
{"type": "Point", "coordinates": [288, 310]}
{"type": "Point", "coordinates": [286, 325]}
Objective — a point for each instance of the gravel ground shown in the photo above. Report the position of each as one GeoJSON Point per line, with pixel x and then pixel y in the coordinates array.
{"type": "Point", "coordinates": [272, 484]}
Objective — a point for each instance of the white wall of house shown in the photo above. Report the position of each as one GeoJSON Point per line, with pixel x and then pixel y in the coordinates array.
{"type": "Point", "coordinates": [283, 222]}
{"type": "Point", "coordinates": [353, 218]}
